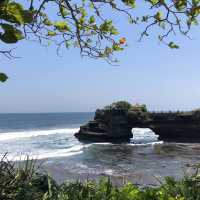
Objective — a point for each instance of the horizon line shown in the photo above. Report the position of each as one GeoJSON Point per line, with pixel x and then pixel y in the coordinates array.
{"type": "Point", "coordinates": [50, 112]}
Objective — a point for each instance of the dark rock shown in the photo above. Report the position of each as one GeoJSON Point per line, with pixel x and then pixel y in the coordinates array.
{"type": "Point", "coordinates": [110, 124]}
{"type": "Point", "coordinates": [114, 123]}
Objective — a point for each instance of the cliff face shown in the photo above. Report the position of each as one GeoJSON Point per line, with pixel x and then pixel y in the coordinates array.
{"type": "Point", "coordinates": [106, 126]}
{"type": "Point", "coordinates": [115, 122]}
{"type": "Point", "coordinates": [176, 126]}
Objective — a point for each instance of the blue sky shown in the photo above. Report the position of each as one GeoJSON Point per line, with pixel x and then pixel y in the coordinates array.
{"type": "Point", "coordinates": [149, 73]}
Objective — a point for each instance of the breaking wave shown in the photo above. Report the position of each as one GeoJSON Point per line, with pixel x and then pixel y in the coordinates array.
{"type": "Point", "coordinates": [35, 133]}
{"type": "Point", "coordinates": [78, 149]}
{"type": "Point", "coordinates": [144, 136]}
{"type": "Point", "coordinates": [44, 144]}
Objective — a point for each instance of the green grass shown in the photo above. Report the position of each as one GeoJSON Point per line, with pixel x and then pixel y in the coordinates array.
{"type": "Point", "coordinates": [25, 183]}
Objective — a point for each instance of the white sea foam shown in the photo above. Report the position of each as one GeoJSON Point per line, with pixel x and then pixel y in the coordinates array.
{"type": "Point", "coordinates": [78, 149]}
{"type": "Point", "coordinates": [102, 143]}
{"type": "Point", "coordinates": [145, 144]}
{"type": "Point", "coordinates": [35, 133]}
{"type": "Point", "coordinates": [109, 172]}
{"type": "Point", "coordinates": [144, 136]}
{"type": "Point", "coordinates": [71, 147]}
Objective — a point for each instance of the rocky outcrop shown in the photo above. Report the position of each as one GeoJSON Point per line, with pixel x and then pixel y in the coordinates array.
{"type": "Point", "coordinates": [177, 126]}
{"type": "Point", "coordinates": [112, 127]}
{"type": "Point", "coordinates": [114, 123]}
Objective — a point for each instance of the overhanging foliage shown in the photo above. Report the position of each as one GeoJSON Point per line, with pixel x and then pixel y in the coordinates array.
{"type": "Point", "coordinates": [83, 23]}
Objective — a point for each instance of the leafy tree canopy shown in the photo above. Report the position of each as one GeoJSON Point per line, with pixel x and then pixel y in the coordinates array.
{"type": "Point", "coordinates": [119, 105]}
{"type": "Point", "coordinates": [83, 23]}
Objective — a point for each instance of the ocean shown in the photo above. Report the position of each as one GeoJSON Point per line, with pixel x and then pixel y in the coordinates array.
{"type": "Point", "coordinates": [40, 135]}
{"type": "Point", "coordinates": [49, 138]}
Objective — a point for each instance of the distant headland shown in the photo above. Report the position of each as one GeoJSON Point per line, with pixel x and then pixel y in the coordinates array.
{"type": "Point", "coordinates": [114, 123]}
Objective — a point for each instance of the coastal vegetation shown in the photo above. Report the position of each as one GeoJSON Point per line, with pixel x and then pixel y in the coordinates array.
{"type": "Point", "coordinates": [27, 183]}
{"type": "Point", "coordinates": [135, 112]}
{"type": "Point", "coordinates": [86, 25]}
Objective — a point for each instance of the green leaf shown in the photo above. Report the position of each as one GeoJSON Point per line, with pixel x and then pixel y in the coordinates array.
{"type": "Point", "coordinates": [11, 34]}
{"type": "Point", "coordinates": [145, 18]}
{"type": "Point", "coordinates": [62, 26]}
{"type": "Point", "coordinates": [83, 12]}
{"type": "Point", "coordinates": [28, 16]}
{"type": "Point", "coordinates": [181, 4]}
{"type": "Point", "coordinates": [51, 33]}
{"type": "Point", "coordinates": [117, 47]}
{"type": "Point", "coordinates": [114, 31]}
{"type": "Point", "coordinates": [130, 3]}
{"type": "Point", "coordinates": [47, 22]}
{"type": "Point", "coordinates": [92, 19]}
{"type": "Point", "coordinates": [64, 12]}
{"type": "Point", "coordinates": [158, 16]}
{"type": "Point", "coordinates": [154, 2]}
{"type": "Point", "coordinates": [3, 77]}
{"type": "Point", "coordinates": [172, 45]}
{"type": "Point", "coordinates": [15, 13]}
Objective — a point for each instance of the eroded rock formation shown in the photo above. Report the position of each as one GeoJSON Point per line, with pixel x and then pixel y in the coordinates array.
{"type": "Point", "coordinates": [114, 123]}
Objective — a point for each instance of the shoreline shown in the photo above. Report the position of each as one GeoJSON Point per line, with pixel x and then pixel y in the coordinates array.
{"type": "Point", "coordinates": [143, 166]}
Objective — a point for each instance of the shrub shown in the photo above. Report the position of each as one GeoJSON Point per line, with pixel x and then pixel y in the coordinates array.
{"type": "Point", "coordinates": [138, 113]}
{"type": "Point", "coordinates": [21, 183]}
{"type": "Point", "coordinates": [26, 184]}
{"type": "Point", "coordinates": [119, 105]}
{"type": "Point", "coordinates": [139, 107]}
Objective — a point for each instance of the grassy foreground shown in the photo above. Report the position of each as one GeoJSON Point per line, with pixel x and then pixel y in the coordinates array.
{"type": "Point", "coordinates": [25, 183]}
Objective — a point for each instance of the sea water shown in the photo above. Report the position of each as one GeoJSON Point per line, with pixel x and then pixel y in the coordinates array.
{"type": "Point", "coordinates": [50, 137]}
{"type": "Point", "coordinates": [39, 136]}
